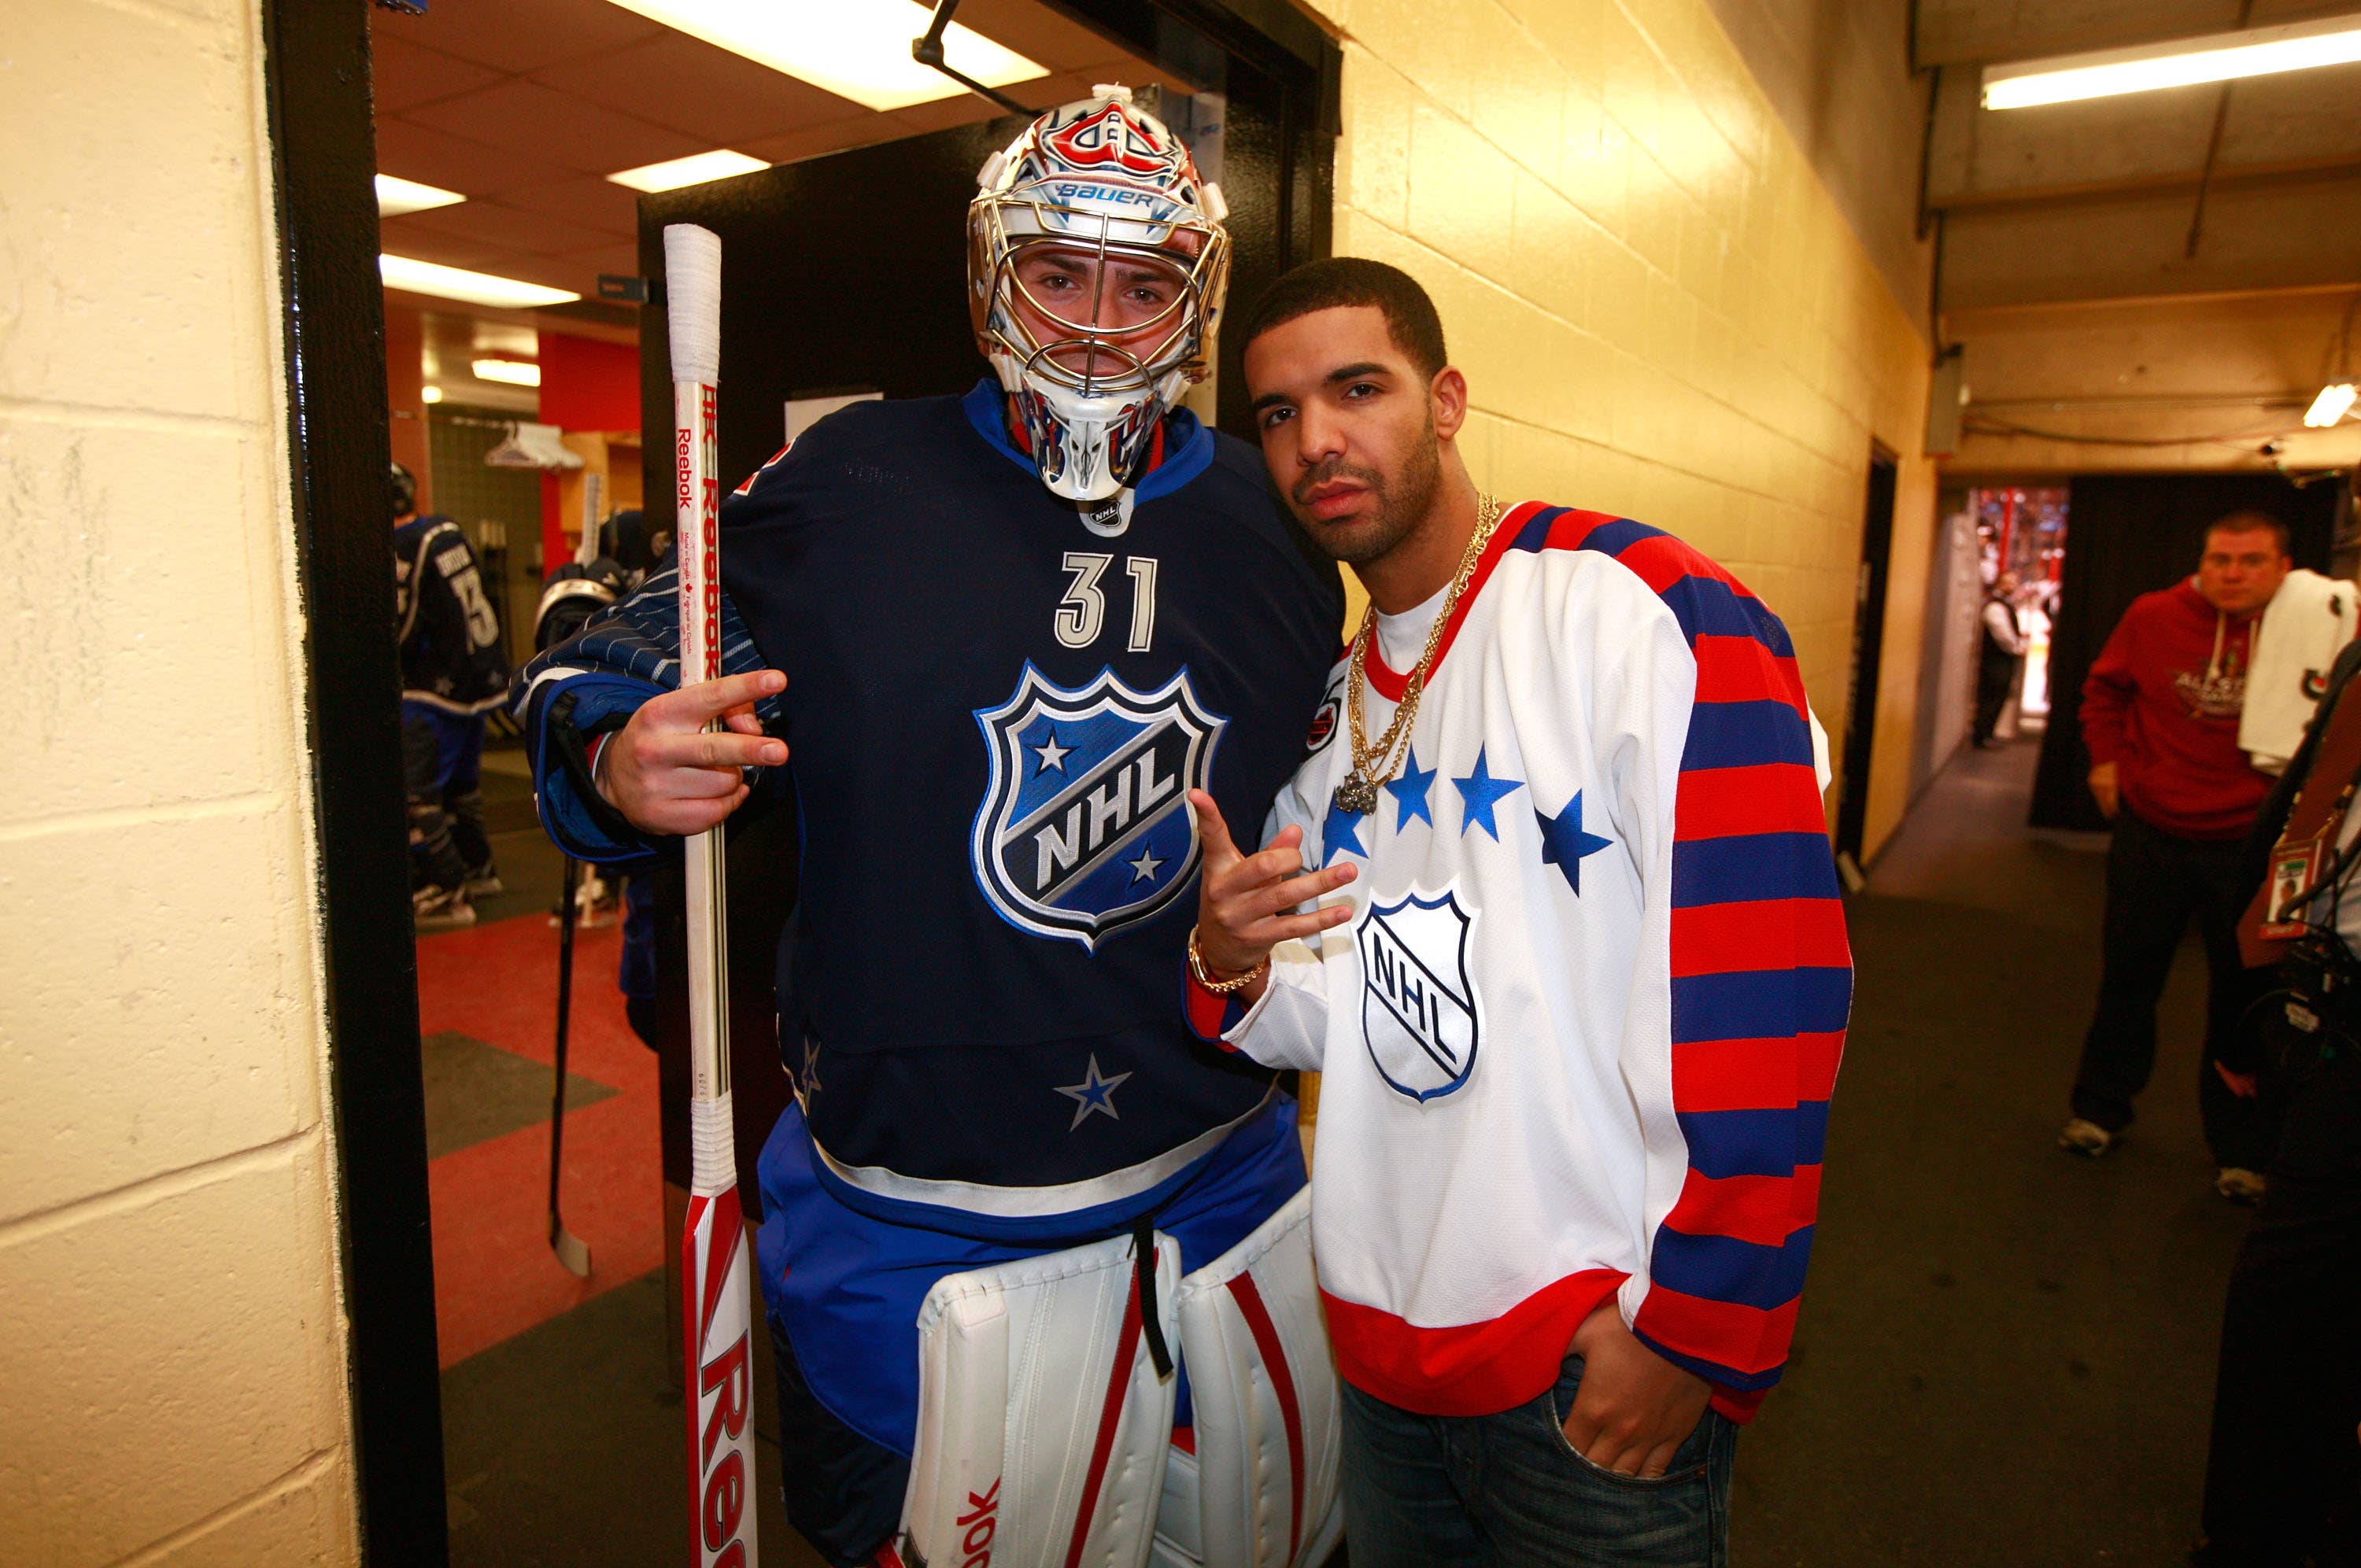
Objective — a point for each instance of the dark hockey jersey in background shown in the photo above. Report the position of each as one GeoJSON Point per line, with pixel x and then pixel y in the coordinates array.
{"type": "Point", "coordinates": [993, 715]}
{"type": "Point", "coordinates": [451, 654]}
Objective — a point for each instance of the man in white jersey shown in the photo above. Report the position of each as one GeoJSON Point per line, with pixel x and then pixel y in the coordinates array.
{"type": "Point", "coordinates": [1550, 905]}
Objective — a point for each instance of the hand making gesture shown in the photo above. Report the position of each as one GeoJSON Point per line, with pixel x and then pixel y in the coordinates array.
{"type": "Point", "coordinates": [667, 773]}
{"type": "Point", "coordinates": [1246, 904]}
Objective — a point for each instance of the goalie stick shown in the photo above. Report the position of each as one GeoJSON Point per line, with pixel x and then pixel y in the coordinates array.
{"type": "Point", "coordinates": [715, 1266]}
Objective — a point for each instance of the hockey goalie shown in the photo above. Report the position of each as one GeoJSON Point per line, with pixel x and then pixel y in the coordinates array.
{"type": "Point", "coordinates": [1035, 1260]}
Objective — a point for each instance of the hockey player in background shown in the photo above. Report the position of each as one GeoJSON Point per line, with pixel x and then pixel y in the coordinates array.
{"type": "Point", "coordinates": [992, 641]}
{"type": "Point", "coordinates": [1553, 910]}
{"type": "Point", "coordinates": [453, 672]}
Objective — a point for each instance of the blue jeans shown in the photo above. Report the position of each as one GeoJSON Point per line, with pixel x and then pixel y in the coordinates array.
{"type": "Point", "coordinates": [1509, 1491]}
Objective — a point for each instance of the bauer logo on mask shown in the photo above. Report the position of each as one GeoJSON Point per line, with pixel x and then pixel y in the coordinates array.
{"type": "Point", "coordinates": [1085, 827]}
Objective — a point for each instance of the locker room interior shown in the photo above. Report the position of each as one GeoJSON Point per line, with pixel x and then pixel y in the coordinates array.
{"type": "Point", "coordinates": [1764, 272]}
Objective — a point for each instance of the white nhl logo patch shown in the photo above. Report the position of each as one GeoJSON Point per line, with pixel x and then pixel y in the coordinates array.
{"type": "Point", "coordinates": [1418, 1006]}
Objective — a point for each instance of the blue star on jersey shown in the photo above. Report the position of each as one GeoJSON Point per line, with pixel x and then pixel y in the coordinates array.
{"type": "Point", "coordinates": [1479, 792]}
{"type": "Point", "coordinates": [1095, 1092]}
{"type": "Point", "coordinates": [1564, 843]}
{"type": "Point", "coordinates": [1340, 833]}
{"type": "Point", "coordinates": [1410, 793]}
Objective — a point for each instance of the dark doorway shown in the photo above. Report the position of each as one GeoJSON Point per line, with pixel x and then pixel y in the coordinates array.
{"type": "Point", "coordinates": [2135, 533]}
{"type": "Point", "coordinates": [1868, 638]}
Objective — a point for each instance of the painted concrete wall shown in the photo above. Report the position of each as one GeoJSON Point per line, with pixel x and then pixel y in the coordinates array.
{"type": "Point", "coordinates": [1661, 309]}
{"type": "Point", "coordinates": [172, 1390]}
{"type": "Point", "coordinates": [2237, 369]}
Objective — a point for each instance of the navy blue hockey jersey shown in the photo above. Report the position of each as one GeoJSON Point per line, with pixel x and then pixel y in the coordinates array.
{"type": "Point", "coordinates": [451, 654]}
{"type": "Point", "coordinates": [993, 715]}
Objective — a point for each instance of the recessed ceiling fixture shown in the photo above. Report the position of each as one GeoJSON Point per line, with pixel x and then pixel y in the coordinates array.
{"type": "Point", "coordinates": [430, 394]}
{"type": "Point", "coordinates": [855, 49]}
{"type": "Point", "coordinates": [694, 170]}
{"type": "Point", "coordinates": [395, 197]}
{"type": "Point", "coordinates": [515, 372]}
{"type": "Point", "coordinates": [2333, 403]}
{"type": "Point", "coordinates": [457, 283]}
{"type": "Point", "coordinates": [2218, 57]}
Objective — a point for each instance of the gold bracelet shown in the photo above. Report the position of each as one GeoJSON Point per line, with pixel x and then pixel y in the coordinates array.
{"type": "Point", "coordinates": [1204, 978]}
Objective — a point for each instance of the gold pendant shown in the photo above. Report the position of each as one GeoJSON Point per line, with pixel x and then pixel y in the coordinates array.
{"type": "Point", "coordinates": [1356, 796]}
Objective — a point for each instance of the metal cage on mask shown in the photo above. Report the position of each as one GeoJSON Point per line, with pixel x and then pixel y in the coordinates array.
{"type": "Point", "coordinates": [1105, 186]}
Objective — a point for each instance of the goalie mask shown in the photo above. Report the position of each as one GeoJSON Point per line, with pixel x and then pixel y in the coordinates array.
{"type": "Point", "coordinates": [1096, 265]}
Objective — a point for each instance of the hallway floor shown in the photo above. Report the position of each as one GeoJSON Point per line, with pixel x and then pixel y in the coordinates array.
{"type": "Point", "coordinates": [2006, 1353]}
{"type": "Point", "coordinates": [2006, 1356]}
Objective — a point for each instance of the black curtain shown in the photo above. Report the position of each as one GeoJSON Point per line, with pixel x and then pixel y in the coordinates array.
{"type": "Point", "coordinates": [2126, 535]}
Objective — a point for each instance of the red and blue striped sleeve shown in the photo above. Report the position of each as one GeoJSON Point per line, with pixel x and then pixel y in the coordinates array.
{"type": "Point", "coordinates": [1761, 974]}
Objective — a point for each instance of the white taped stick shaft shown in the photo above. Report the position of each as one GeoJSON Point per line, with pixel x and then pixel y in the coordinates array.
{"type": "Point", "coordinates": [713, 1150]}
{"type": "Point", "coordinates": [693, 301]}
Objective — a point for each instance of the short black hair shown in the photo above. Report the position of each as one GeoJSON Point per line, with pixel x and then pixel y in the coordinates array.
{"type": "Point", "coordinates": [1344, 280]}
{"type": "Point", "coordinates": [2248, 520]}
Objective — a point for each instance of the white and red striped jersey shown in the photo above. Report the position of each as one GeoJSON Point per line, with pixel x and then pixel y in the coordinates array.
{"type": "Point", "coordinates": [1579, 1036]}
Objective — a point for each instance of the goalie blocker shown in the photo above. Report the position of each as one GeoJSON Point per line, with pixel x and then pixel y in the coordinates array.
{"type": "Point", "coordinates": [1046, 1397]}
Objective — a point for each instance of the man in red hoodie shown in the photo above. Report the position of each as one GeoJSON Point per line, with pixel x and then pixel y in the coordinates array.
{"type": "Point", "coordinates": [2160, 717]}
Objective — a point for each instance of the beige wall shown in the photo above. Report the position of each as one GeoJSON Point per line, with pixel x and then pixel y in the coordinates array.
{"type": "Point", "coordinates": [1661, 309]}
{"type": "Point", "coordinates": [2239, 367]}
{"type": "Point", "coordinates": [171, 1389]}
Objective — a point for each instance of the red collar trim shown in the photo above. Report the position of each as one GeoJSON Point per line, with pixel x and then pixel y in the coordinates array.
{"type": "Point", "coordinates": [1390, 684]}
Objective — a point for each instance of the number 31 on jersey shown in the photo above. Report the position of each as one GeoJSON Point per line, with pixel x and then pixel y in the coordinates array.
{"type": "Point", "coordinates": [1081, 614]}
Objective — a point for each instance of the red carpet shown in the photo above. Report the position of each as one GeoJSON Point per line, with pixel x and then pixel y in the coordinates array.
{"type": "Point", "coordinates": [494, 1275]}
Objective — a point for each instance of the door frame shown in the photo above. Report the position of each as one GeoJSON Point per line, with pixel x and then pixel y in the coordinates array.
{"type": "Point", "coordinates": [1872, 577]}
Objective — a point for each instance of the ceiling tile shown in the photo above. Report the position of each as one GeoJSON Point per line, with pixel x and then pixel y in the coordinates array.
{"type": "Point", "coordinates": [844, 135]}
{"type": "Point", "coordinates": [1037, 33]}
{"type": "Point", "coordinates": [944, 113]}
{"type": "Point", "coordinates": [556, 126]}
{"type": "Point", "coordinates": [595, 203]}
{"type": "Point", "coordinates": [403, 74]}
{"type": "Point", "coordinates": [470, 166]}
{"type": "Point", "coordinates": [402, 237]}
{"type": "Point", "coordinates": [518, 34]}
{"type": "Point", "coordinates": [620, 259]}
{"type": "Point", "coordinates": [493, 225]}
{"type": "Point", "coordinates": [693, 88]}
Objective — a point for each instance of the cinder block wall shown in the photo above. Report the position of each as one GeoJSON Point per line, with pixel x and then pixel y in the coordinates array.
{"type": "Point", "coordinates": [172, 1385]}
{"type": "Point", "coordinates": [1660, 311]}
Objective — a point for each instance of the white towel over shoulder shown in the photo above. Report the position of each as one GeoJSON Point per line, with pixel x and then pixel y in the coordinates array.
{"type": "Point", "coordinates": [2306, 621]}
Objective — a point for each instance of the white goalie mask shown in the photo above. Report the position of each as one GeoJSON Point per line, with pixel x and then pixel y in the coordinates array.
{"type": "Point", "coordinates": [1097, 267]}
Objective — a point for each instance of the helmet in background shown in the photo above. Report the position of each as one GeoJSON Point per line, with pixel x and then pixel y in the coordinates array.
{"type": "Point", "coordinates": [1104, 181]}
{"type": "Point", "coordinates": [405, 491]}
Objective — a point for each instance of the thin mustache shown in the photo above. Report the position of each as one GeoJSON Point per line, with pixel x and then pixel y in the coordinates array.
{"type": "Point", "coordinates": [1327, 473]}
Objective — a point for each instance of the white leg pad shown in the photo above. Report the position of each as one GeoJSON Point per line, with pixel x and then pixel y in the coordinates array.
{"type": "Point", "coordinates": [1043, 1427]}
{"type": "Point", "coordinates": [1261, 1489]}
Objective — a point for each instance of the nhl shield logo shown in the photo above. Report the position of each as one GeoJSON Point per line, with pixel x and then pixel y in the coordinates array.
{"type": "Point", "coordinates": [1085, 827]}
{"type": "Point", "coordinates": [1418, 1006]}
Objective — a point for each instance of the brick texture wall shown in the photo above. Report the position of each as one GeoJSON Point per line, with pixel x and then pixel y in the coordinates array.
{"type": "Point", "coordinates": [1661, 309]}
{"type": "Point", "coordinates": [172, 1391]}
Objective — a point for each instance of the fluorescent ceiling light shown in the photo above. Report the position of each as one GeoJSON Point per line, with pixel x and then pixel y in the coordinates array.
{"type": "Point", "coordinates": [694, 170]}
{"type": "Point", "coordinates": [2219, 57]}
{"type": "Point", "coordinates": [855, 49]}
{"type": "Point", "coordinates": [456, 283]}
{"type": "Point", "coordinates": [430, 394]}
{"type": "Point", "coordinates": [515, 372]}
{"type": "Point", "coordinates": [395, 197]}
{"type": "Point", "coordinates": [2330, 406]}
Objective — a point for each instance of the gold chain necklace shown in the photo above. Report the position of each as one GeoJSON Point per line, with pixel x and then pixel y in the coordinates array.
{"type": "Point", "coordinates": [1375, 765]}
